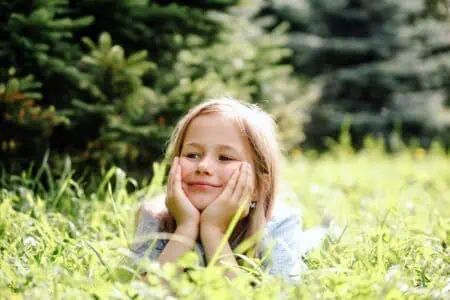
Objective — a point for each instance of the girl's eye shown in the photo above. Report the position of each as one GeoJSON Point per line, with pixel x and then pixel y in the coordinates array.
{"type": "Point", "coordinates": [225, 158]}
{"type": "Point", "coordinates": [193, 155]}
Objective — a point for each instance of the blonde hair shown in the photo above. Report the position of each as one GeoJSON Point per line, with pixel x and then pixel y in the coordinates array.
{"type": "Point", "coordinates": [260, 130]}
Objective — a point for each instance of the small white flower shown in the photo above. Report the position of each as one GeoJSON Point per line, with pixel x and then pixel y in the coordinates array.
{"type": "Point", "coordinates": [30, 241]}
{"type": "Point", "coordinates": [403, 287]}
{"type": "Point", "coordinates": [315, 188]}
{"type": "Point", "coordinates": [392, 273]}
{"type": "Point", "coordinates": [446, 288]}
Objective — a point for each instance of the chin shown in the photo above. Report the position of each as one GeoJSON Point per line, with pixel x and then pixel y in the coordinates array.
{"type": "Point", "coordinates": [201, 202]}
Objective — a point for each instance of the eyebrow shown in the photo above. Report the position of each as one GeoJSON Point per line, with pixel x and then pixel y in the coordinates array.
{"type": "Point", "coordinates": [198, 145]}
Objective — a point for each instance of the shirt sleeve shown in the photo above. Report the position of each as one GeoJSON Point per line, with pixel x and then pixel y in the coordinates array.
{"type": "Point", "coordinates": [285, 259]}
{"type": "Point", "coordinates": [147, 243]}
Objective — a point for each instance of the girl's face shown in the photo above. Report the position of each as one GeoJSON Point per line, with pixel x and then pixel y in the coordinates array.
{"type": "Point", "coordinates": [212, 149]}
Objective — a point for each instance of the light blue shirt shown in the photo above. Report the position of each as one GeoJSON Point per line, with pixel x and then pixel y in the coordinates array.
{"type": "Point", "coordinates": [284, 236]}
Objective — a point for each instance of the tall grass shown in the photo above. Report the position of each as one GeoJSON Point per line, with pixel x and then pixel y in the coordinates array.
{"type": "Point", "coordinates": [390, 215]}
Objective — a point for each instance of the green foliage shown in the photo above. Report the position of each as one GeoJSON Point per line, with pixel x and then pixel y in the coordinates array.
{"type": "Point", "coordinates": [39, 36]}
{"type": "Point", "coordinates": [36, 53]}
{"type": "Point", "coordinates": [438, 8]}
{"type": "Point", "coordinates": [116, 84]}
{"type": "Point", "coordinates": [381, 63]}
{"type": "Point", "coordinates": [246, 62]}
{"type": "Point", "coordinates": [24, 121]}
{"type": "Point", "coordinates": [119, 107]}
{"type": "Point", "coordinates": [391, 237]}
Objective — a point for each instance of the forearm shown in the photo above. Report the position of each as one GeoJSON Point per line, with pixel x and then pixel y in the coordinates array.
{"type": "Point", "coordinates": [183, 241]}
{"type": "Point", "coordinates": [211, 238]}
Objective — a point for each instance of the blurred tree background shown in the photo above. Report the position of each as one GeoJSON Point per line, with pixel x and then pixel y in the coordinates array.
{"type": "Point", "coordinates": [105, 81]}
{"type": "Point", "coordinates": [383, 66]}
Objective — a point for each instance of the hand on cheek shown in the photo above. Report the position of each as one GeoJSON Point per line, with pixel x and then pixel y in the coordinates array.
{"type": "Point", "coordinates": [177, 202]}
{"type": "Point", "coordinates": [236, 194]}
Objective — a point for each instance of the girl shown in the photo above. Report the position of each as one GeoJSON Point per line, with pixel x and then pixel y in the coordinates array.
{"type": "Point", "coordinates": [225, 163]}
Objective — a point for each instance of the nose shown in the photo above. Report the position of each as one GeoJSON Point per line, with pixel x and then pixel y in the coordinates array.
{"type": "Point", "coordinates": [205, 166]}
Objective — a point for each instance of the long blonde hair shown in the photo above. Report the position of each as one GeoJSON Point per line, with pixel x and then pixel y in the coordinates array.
{"type": "Point", "coordinates": [260, 130]}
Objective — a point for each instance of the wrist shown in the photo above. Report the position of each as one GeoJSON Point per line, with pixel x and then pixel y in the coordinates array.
{"type": "Point", "coordinates": [188, 230]}
{"type": "Point", "coordinates": [210, 229]}
{"type": "Point", "coordinates": [210, 225]}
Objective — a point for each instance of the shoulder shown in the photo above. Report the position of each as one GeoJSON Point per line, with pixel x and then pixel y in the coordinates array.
{"type": "Point", "coordinates": [285, 216]}
{"type": "Point", "coordinates": [283, 242]}
{"type": "Point", "coordinates": [155, 205]}
{"type": "Point", "coordinates": [149, 214]}
{"type": "Point", "coordinates": [149, 222]}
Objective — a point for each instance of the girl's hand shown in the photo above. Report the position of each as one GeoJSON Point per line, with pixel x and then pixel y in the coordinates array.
{"type": "Point", "coordinates": [178, 204]}
{"type": "Point", "coordinates": [219, 213]}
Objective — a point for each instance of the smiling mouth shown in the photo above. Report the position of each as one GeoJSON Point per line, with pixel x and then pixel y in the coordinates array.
{"type": "Point", "coordinates": [202, 185]}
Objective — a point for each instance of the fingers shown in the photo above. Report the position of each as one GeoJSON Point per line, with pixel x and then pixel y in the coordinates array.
{"type": "Point", "coordinates": [177, 178]}
{"type": "Point", "coordinates": [243, 188]}
{"type": "Point", "coordinates": [242, 193]}
{"type": "Point", "coordinates": [249, 184]}
{"type": "Point", "coordinates": [175, 182]}
{"type": "Point", "coordinates": [170, 180]}
{"type": "Point", "coordinates": [230, 187]}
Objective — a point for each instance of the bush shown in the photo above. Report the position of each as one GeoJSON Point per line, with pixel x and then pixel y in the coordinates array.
{"type": "Point", "coordinates": [115, 85]}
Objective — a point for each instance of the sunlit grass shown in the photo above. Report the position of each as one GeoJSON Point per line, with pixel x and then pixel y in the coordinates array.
{"type": "Point", "coordinates": [389, 213]}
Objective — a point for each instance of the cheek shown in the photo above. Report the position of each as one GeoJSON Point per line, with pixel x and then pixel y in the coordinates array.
{"type": "Point", "coordinates": [186, 167]}
{"type": "Point", "coordinates": [227, 172]}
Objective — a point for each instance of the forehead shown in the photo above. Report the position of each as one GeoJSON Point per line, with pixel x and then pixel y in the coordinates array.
{"type": "Point", "coordinates": [214, 129]}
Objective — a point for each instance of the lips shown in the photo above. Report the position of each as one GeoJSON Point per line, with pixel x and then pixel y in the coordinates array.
{"type": "Point", "coordinates": [202, 184]}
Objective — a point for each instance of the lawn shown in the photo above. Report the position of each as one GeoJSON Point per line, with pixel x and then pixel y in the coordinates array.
{"type": "Point", "coordinates": [389, 215]}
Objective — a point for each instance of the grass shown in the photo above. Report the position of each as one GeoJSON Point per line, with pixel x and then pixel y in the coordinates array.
{"type": "Point", "coordinates": [390, 215]}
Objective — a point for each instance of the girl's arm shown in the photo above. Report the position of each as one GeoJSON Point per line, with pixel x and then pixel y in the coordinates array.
{"type": "Point", "coordinates": [185, 214]}
{"type": "Point", "coordinates": [183, 241]}
{"type": "Point", "coordinates": [217, 216]}
{"type": "Point", "coordinates": [211, 238]}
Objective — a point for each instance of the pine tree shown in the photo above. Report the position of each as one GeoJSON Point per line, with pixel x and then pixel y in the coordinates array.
{"type": "Point", "coordinates": [115, 84]}
{"type": "Point", "coordinates": [198, 53]}
{"type": "Point", "coordinates": [385, 65]}
{"type": "Point", "coordinates": [37, 57]}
